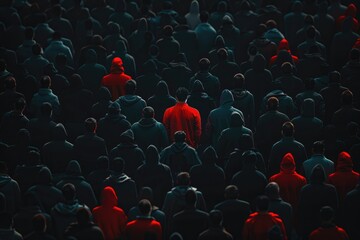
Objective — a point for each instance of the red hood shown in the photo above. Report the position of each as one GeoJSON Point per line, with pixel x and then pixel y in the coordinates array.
{"type": "Point", "coordinates": [108, 197]}
{"type": "Point", "coordinates": [344, 163]}
{"type": "Point", "coordinates": [351, 10]}
{"type": "Point", "coordinates": [117, 65]}
{"type": "Point", "coordinates": [287, 164]}
{"type": "Point", "coordinates": [283, 45]}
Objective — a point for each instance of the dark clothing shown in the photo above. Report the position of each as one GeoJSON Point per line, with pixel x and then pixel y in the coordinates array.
{"type": "Point", "coordinates": [210, 82]}
{"type": "Point", "coordinates": [332, 99]}
{"type": "Point", "coordinates": [244, 101]}
{"type": "Point", "coordinates": [100, 108]}
{"type": "Point", "coordinates": [11, 190]}
{"type": "Point", "coordinates": [350, 213]}
{"type": "Point", "coordinates": [131, 106]}
{"type": "Point", "coordinates": [8, 99]}
{"type": "Point", "coordinates": [346, 114]}
{"type": "Point", "coordinates": [177, 75]}
{"type": "Point", "coordinates": [88, 231]}
{"type": "Point", "coordinates": [215, 233]}
{"type": "Point", "coordinates": [26, 175]}
{"type": "Point", "coordinates": [10, 124]}
{"type": "Point", "coordinates": [41, 130]}
{"type": "Point", "coordinates": [225, 71]}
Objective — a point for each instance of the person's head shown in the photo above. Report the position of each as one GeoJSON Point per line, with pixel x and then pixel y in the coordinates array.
{"type": "Point", "coordinates": [148, 112]}
{"type": "Point", "coordinates": [90, 125]}
{"type": "Point", "coordinates": [36, 49]}
{"type": "Point", "coordinates": [260, 30]}
{"type": "Point", "coordinates": [215, 218]}
{"type": "Point", "coordinates": [311, 32]}
{"type": "Point", "coordinates": [3, 167]}
{"type": "Point", "coordinates": [39, 223]}
{"type": "Point", "coordinates": [287, 68]}
{"type": "Point", "coordinates": [239, 80]}
{"type": "Point", "coordinates": [46, 109]}
{"type": "Point", "coordinates": [334, 77]}
{"type": "Point", "coordinates": [33, 158]}
{"type": "Point", "coordinates": [272, 104]}
{"type": "Point", "coordinates": [117, 165]}
{"type": "Point", "coordinates": [183, 179]}
{"type": "Point", "coordinates": [6, 220]}
{"type": "Point", "coordinates": [222, 54]}
{"type": "Point", "coordinates": [69, 192]}
{"type": "Point", "coordinates": [204, 64]}
{"type": "Point", "coordinates": [327, 215]}
{"type": "Point", "coordinates": [102, 162]}
{"type": "Point", "coordinates": [190, 198]}
{"type": "Point", "coordinates": [2, 65]}
{"type": "Point", "coordinates": [114, 108]}
{"type": "Point", "coordinates": [29, 33]}
{"type": "Point", "coordinates": [252, 51]}
{"type": "Point", "coordinates": [130, 87]}
{"type": "Point", "coordinates": [262, 203]}
{"type": "Point", "coordinates": [182, 94]}
{"type": "Point", "coordinates": [76, 81]}
{"type": "Point", "coordinates": [145, 207]}
{"type": "Point", "coordinates": [45, 82]}
{"type": "Point", "coordinates": [272, 190]}
{"type": "Point", "coordinates": [146, 193]}
{"type": "Point", "coordinates": [83, 216]}
{"type": "Point", "coordinates": [287, 129]}
{"type": "Point", "coordinates": [167, 31]}
{"type": "Point", "coordinates": [20, 105]}
{"type": "Point", "coordinates": [10, 83]}
{"type": "Point", "coordinates": [179, 136]}
{"type": "Point", "coordinates": [347, 97]}
{"type": "Point", "coordinates": [231, 192]}
{"type": "Point", "coordinates": [204, 16]}
{"type": "Point", "coordinates": [355, 54]}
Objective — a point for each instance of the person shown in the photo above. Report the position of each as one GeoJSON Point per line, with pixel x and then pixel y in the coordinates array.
{"type": "Point", "coordinates": [205, 34]}
{"type": "Point", "coordinates": [108, 216]}
{"type": "Point", "coordinates": [216, 231]}
{"type": "Point", "coordinates": [6, 229]}
{"type": "Point", "coordinates": [350, 212]}
{"type": "Point", "coordinates": [9, 96]}
{"type": "Point", "coordinates": [10, 188]}
{"type": "Point", "coordinates": [328, 230]}
{"type": "Point", "coordinates": [259, 223]}
{"type": "Point", "coordinates": [39, 229]}
{"type": "Point", "coordinates": [182, 117]}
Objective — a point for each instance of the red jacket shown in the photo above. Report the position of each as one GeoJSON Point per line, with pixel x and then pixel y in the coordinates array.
{"type": "Point", "coordinates": [344, 178]}
{"type": "Point", "coordinates": [350, 12]}
{"type": "Point", "coordinates": [110, 218]}
{"type": "Point", "coordinates": [183, 117]}
{"type": "Point", "coordinates": [258, 225]}
{"type": "Point", "coordinates": [290, 182]}
{"type": "Point", "coordinates": [329, 233]}
{"type": "Point", "coordinates": [283, 45]}
{"type": "Point", "coordinates": [136, 230]}
{"type": "Point", "coordinates": [116, 80]}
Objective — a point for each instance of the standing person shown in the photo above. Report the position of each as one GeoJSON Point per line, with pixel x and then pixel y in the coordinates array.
{"type": "Point", "coordinates": [215, 230]}
{"type": "Point", "coordinates": [183, 117]}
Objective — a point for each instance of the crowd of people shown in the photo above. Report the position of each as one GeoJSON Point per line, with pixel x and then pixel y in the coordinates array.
{"type": "Point", "coordinates": [179, 119]}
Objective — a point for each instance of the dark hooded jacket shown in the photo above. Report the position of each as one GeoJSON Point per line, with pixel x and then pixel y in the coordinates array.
{"type": "Point", "coordinates": [121, 51]}
{"type": "Point", "coordinates": [286, 104]}
{"type": "Point", "coordinates": [289, 83]}
{"type": "Point", "coordinates": [289, 181]}
{"type": "Point", "coordinates": [47, 194]}
{"type": "Point", "coordinates": [40, 130]}
{"type": "Point", "coordinates": [11, 190]}
{"type": "Point", "coordinates": [10, 124]}
{"type": "Point", "coordinates": [112, 125]}
{"type": "Point", "coordinates": [219, 118]}
{"type": "Point", "coordinates": [147, 82]}
{"type": "Point", "coordinates": [244, 101]}
{"type": "Point", "coordinates": [210, 82]}
{"type": "Point", "coordinates": [84, 191]}
{"type": "Point", "coordinates": [225, 71]}
{"type": "Point", "coordinates": [57, 153]}
{"type": "Point", "coordinates": [220, 43]}
{"type": "Point", "coordinates": [100, 108]}
{"type": "Point", "coordinates": [108, 216]}
{"type": "Point", "coordinates": [131, 106]}
{"type": "Point", "coordinates": [128, 150]}
{"type": "Point", "coordinates": [211, 187]}
{"type": "Point", "coordinates": [161, 100]}
{"type": "Point", "coordinates": [313, 196]}
{"type": "Point", "coordinates": [265, 47]}
{"type": "Point", "coordinates": [155, 175]}
{"type": "Point", "coordinates": [350, 212]}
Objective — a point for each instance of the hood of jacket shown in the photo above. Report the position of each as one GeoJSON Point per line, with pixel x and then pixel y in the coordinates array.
{"type": "Point", "coordinates": [287, 164]}
{"type": "Point", "coordinates": [121, 48]}
{"type": "Point", "coordinates": [198, 87]}
{"type": "Point", "coordinates": [59, 132]}
{"type": "Point", "coordinates": [142, 25]}
{"type": "Point", "coordinates": [91, 56]}
{"type": "Point", "coordinates": [44, 91]}
{"type": "Point", "coordinates": [219, 42]}
{"type": "Point", "coordinates": [73, 168]}
{"type": "Point", "coordinates": [104, 94]}
{"type": "Point", "coordinates": [44, 176]}
{"type": "Point", "coordinates": [240, 93]}
{"type": "Point", "coordinates": [344, 163]}
{"type": "Point", "coordinates": [259, 63]}
{"type": "Point", "coordinates": [162, 89]}
{"type": "Point", "coordinates": [178, 147]}
{"type": "Point", "coordinates": [249, 162]}
{"type": "Point", "coordinates": [4, 179]}
{"type": "Point", "coordinates": [194, 7]}
{"type": "Point", "coordinates": [351, 10]}
{"type": "Point", "coordinates": [150, 67]}
{"type": "Point", "coordinates": [147, 122]}
{"type": "Point", "coordinates": [67, 209]}
{"type": "Point", "coordinates": [308, 108]}
{"type": "Point", "coordinates": [317, 175]}
{"type": "Point", "coordinates": [209, 156]}
{"type": "Point", "coordinates": [108, 197]}
{"type": "Point", "coordinates": [129, 100]}
{"type": "Point", "coordinates": [279, 94]}
{"type": "Point", "coordinates": [236, 120]}
{"type": "Point", "coordinates": [152, 155]}
{"type": "Point", "coordinates": [226, 98]}
{"type": "Point", "coordinates": [117, 65]}
{"type": "Point", "coordinates": [127, 136]}
{"type": "Point", "coordinates": [283, 45]}
{"type": "Point", "coordinates": [180, 192]}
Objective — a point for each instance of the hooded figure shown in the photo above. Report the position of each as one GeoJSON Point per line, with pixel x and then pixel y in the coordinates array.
{"type": "Point", "coordinates": [349, 12]}
{"type": "Point", "coordinates": [10, 188]}
{"type": "Point", "coordinates": [110, 218]}
{"type": "Point", "coordinates": [116, 80]}
{"type": "Point", "coordinates": [289, 181]}
{"type": "Point", "coordinates": [313, 196]}
{"type": "Point", "coordinates": [283, 45]}
{"type": "Point", "coordinates": [84, 191]}
{"type": "Point", "coordinates": [147, 82]}
{"type": "Point", "coordinates": [219, 118]}
{"type": "Point", "coordinates": [161, 100]}
{"type": "Point", "coordinates": [155, 175]}
{"type": "Point", "coordinates": [137, 38]}
{"type": "Point", "coordinates": [121, 51]}
{"type": "Point", "coordinates": [220, 43]}
{"type": "Point", "coordinates": [100, 108]}
{"type": "Point", "coordinates": [193, 16]}
{"type": "Point", "coordinates": [344, 178]}
{"type": "Point", "coordinates": [286, 103]}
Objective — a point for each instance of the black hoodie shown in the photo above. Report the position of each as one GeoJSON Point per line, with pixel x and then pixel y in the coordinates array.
{"type": "Point", "coordinates": [10, 189]}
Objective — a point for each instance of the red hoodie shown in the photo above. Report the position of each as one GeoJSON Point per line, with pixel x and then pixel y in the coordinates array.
{"type": "Point", "coordinates": [350, 12]}
{"type": "Point", "coordinates": [283, 45]}
{"type": "Point", "coordinates": [116, 80]}
{"type": "Point", "coordinates": [289, 181]}
{"type": "Point", "coordinates": [344, 178]}
{"type": "Point", "coordinates": [137, 229]}
{"type": "Point", "coordinates": [329, 233]}
{"type": "Point", "coordinates": [110, 218]}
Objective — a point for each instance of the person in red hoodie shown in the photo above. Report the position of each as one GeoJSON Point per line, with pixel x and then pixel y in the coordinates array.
{"type": "Point", "coordinates": [344, 178]}
{"type": "Point", "coordinates": [283, 45]}
{"type": "Point", "coordinates": [116, 80]}
{"type": "Point", "coordinates": [110, 218]}
{"type": "Point", "coordinates": [258, 225]}
{"type": "Point", "coordinates": [144, 226]}
{"type": "Point", "coordinates": [182, 117]}
{"type": "Point", "coordinates": [349, 12]}
{"type": "Point", "coordinates": [289, 181]}
{"type": "Point", "coordinates": [328, 230]}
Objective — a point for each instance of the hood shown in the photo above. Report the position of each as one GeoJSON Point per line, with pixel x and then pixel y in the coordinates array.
{"type": "Point", "coordinates": [236, 120]}
{"type": "Point", "coordinates": [59, 132]}
{"type": "Point", "coordinates": [142, 25]}
{"type": "Point", "coordinates": [317, 175]}
{"type": "Point", "coordinates": [180, 191]}
{"type": "Point", "coordinates": [279, 94]}
{"type": "Point", "coordinates": [287, 164]}
{"type": "Point", "coordinates": [147, 122]}
{"type": "Point", "coordinates": [67, 209]}
{"type": "Point", "coordinates": [226, 98]}
{"type": "Point", "coordinates": [283, 56]}
{"type": "Point", "coordinates": [162, 89]}
{"type": "Point", "coordinates": [308, 108]}
{"type": "Point", "coordinates": [73, 168]}
{"type": "Point", "coordinates": [129, 100]}
{"type": "Point", "coordinates": [104, 94]}
{"type": "Point", "coordinates": [198, 87]}
{"type": "Point", "coordinates": [4, 179]}
{"type": "Point", "coordinates": [259, 63]}
{"type": "Point", "coordinates": [15, 19]}
{"type": "Point", "coordinates": [44, 176]}
{"type": "Point", "coordinates": [127, 136]}
{"type": "Point", "coordinates": [240, 93]}
{"type": "Point", "coordinates": [108, 197]}
{"type": "Point", "coordinates": [91, 56]}
{"type": "Point", "coordinates": [194, 7]}
{"type": "Point", "coordinates": [117, 65]}
{"type": "Point", "coordinates": [351, 10]}
{"type": "Point", "coordinates": [23, 138]}
{"type": "Point", "coordinates": [219, 42]}
{"type": "Point", "coordinates": [178, 147]}
{"type": "Point", "coordinates": [150, 67]}
{"type": "Point", "coordinates": [152, 155]}
{"type": "Point", "coordinates": [249, 162]}
{"type": "Point", "coordinates": [121, 48]}
{"type": "Point", "coordinates": [344, 162]}
{"type": "Point", "coordinates": [283, 45]}
{"type": "Point", "coordinates": [118, 178]}
{"type": "Point", "coordinates": [209, 156]}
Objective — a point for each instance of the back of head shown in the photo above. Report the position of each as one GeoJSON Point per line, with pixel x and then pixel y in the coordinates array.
{"type": "Point", "coordinates": [45, 82]}
{"type": "Point", "coordinates": [347, 97]}
{"type": "Point", "coordinates": [355, 54]}
{"type": "Point", "coordinates": [167, 31]}
{"type": "Point", "coordinates": [311, 32]}
{"type": "Point", "coordinates": [270, 24]}
{"type": "Point", "coordinates": [33, 158]}
{"type": "Point", "coordinates": [90, 125]}
{"type": "Point", "coordinates": [182, 94]}
{"type": "Point", "coordinates": [46, 109]}
{"type": "Point", "coordinates": [318, 147]}
{"type": "Point", "coordinates": [36, 49]}
{"type": "Point", "coordinates": [222, 54]}
{"type": "Point", "coordinates": [287, 68]}
{"type": "Point", "coordinates": [334, 77]}
{"type": "Point", "coordinates": [272, 104]}
{"type": "Point", "coordinates": [231, 192]}
{"type": "Point", "coordinates": [102, 162]}
{"type": "Point", "coordinates": [68, 191]}
{"type": "Point", "coordinates": [272, 190]}
{"type": "Point", "coordinates": [130, 87]}
{"type": "Point", "coordinates": [145, 207]}
{"type": "Point", "coordinates": [83, 216]}
{"type": "Point", "coordinates": [317, 175]}
{"type": "Point", "coordinates": [146, 193]}
{"type": "Point", "coordinates": [239, 80]}
{"type": "Point", "coordinates": [204, 16]}
{"type": "Point", "coordinates": [204, 64]}
{"type": "Point", "coordinates": [117, 165]}
{"type": "Point", "coordinates": [190, 197]}
{"type": "Point", "coordinates": [10, 83]}
{"type": "Point", "coordinates": [288, 129]}
{"type": "Point", "coordinates": [327, 214]}
{"type": "Point", "coordinates": [216, 218]}
{"type": "Point", "coordinates": [262, 203]}
{"type": "Point", "coordinates": [179, 136]}
{"type": "Point", "coordinates": [39, 223]}
{"type": "Point", "coordinates": [183, 179]}
{"type": "Point", "coordinates": [148, 112]}
{"type": "Point", "coordinates": [260, 30]}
